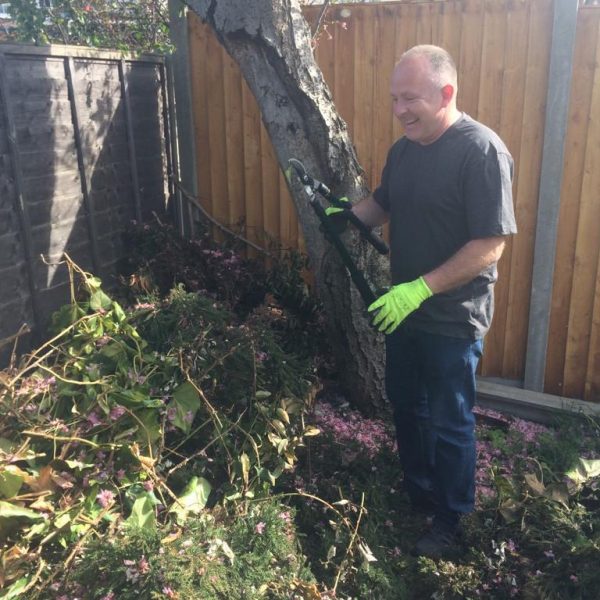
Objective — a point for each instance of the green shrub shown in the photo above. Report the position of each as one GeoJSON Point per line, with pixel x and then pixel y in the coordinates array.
{"type": "Point", "coordinates": [215, 556]}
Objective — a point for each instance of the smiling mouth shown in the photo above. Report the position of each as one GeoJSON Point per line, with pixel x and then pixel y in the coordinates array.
{"type": "Point", "coordinates": [409, 123]}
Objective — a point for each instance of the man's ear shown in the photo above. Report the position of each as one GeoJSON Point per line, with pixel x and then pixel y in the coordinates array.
{"type": "Point", "coordinates": [447, 94]}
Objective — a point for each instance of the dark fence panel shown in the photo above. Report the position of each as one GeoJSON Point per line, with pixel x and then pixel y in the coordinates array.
{"type": "Point", "coordinates": [84, 150]}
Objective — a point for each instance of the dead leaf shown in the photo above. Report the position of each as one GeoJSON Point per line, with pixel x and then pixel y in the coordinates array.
{"type": "Point", "coordinates": [171, 537]}
{"type": "Point", "coordinates": [44, 481]}
{"type": "Point", "coordinates": [534, 484]}
{"type": "Point", "coordinates": [559, 492]}
{"type": "Point", "coordinates": [146, 461]}
{"type": "Point", "coordinates": [42, 505]}
{"type": "Point", "coordinates": [61, 482]}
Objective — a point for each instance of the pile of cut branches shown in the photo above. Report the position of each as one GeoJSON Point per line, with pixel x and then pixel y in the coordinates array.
{"type": "Point", "coordinates": [140, 419]}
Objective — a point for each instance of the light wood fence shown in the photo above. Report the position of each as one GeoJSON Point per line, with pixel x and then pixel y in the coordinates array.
{"type": "Point", "coordinates": [502, 49]}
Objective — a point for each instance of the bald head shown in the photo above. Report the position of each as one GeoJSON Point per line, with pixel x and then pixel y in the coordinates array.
{"type": "Point", "coordinates": [442, 69]}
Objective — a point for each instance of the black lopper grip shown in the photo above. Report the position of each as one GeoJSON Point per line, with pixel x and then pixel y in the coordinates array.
{"type": "Point", "coordinates": [365, 232]}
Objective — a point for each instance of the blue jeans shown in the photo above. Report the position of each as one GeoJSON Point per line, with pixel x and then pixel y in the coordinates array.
{"type": "Point", "coordinates": [430, 382]}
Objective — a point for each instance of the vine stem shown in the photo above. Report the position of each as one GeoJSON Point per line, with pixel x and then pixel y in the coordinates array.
{"type": "Point", "coordinates": [65, 438]}
{"type": "Point", "coordinates": [332, 508]}
{"type": "Point", "coordinates": [37, 362]}
{"type": "Point", "coordinates": [351, 543]}
{"type": "Point", "coordinates": [320, 19]}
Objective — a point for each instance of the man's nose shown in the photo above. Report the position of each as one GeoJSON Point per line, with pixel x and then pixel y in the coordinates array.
{"type": "Point", "coordinates": [399, 109]}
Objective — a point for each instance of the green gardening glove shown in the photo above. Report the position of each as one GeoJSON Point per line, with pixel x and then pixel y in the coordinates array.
{"type": "Point", "coordinates": [394, 306]}
{"type": "Point", "coordinates": [337, 216]}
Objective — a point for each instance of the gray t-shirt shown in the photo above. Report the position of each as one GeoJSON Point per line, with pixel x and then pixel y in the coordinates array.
{"type": "Point", "coordinates": [440, 196]}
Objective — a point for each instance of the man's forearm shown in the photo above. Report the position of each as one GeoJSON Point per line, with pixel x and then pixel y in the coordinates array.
{"type": "Point", "coordinates": [370, 213]}
{"type": "Point", "coordinates": [466, 264]}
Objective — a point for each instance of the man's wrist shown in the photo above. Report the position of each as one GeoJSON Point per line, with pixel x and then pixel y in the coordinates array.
{"type": "Point", "coordinates": [427, 281]}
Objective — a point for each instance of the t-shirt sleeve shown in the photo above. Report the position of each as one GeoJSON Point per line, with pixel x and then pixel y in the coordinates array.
{"type": "Point", "coordinates": [381, 193]}
{"type": "Point", "coordinates": [488, 194]}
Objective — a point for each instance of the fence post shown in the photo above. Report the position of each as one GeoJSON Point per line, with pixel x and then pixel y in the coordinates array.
{"type": "Point", "coordinates": [183, 122]}
{"type": "Point", "coordinates": [170, 143]}
{"type": "Point", "coordinates": [557, 109]}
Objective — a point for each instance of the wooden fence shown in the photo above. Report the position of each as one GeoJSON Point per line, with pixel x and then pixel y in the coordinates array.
{"type": "Point", "coordinates": [84, 149]}
{"type": "Point", "coordinates": [502, 49]}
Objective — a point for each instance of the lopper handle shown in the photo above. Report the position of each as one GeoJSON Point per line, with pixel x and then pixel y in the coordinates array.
{"type": "Point", "coordinates": [365, 232]}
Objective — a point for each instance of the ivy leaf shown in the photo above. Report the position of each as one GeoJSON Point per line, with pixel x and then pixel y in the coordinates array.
{"type": "Point", "coordinates": [559, 492]}
{"type": "Point", "coordinates": [510, 510]}
{"type": "Point", "coordinates": [143, 515]}
{"type": "Point", "coordinates": [11, 480]}
{"type": "Point", "coordinates": [16, 589]}
{"type": "Point", "coordinates": [10, 514]}
{"type": "Point", "coordinates": [192, 500]}
{"type": "Point", "coordinates": [65, 316]}
{"type": "Point", "coordinates": [584, 470]}
{"type": "Point", "coordinates": [100, 301]}
{"type": "Point", "coordinates": [150, 430]}
{"type": "Point", "coordinates": [113, 351]}
{"type": "Point", "coordinates": [118, 312]}
{"type": "Point", "coordinates": [135, 398]}
{"type": "Point", "coordinates": [93, 283]}
{"type": "Point", "coordinates": [187, 402]}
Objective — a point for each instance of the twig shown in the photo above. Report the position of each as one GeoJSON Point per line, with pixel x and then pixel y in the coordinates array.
{"type": "Point", "coordinates": [320, 19]}
{"type": "Point", "coordinates": [30, 366]}
{"type": "Point", "coordinates": [195, 454]}
{"type": "Point", "coordinates": [191, 434]}
{"type": "Point", "coordinates": [332, 508]}
{"type": "Point", "coordinates": [66, 566]}
{"type": "Point", "coordinates": [31, 496]}
{"type": "Point", "coordinates": [65, 380]}
{"type": "Point", "coordinates": [351, 543]}
{"type": "Point", "coordinates": [22, 331]}
{"type": "Point", "coordinates": [196, 202]}
{"type": "Point", "coordinates": [136, 418]}
{"type": "Point", "coordinates": [35, 577]}
{"type": "Point", "coordinates": [64, 438]}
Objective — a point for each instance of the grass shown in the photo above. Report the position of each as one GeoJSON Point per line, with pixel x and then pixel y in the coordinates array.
{"type": "Point", "coordinates": [219, 555]}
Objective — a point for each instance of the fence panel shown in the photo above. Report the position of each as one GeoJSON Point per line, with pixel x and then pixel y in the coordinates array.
{"type": "Point", "coordinates": [574, 352]}
{"type": "Point", "coordinates": [84, 150]}
{"type": "Point", "coordinates": [502, 50]}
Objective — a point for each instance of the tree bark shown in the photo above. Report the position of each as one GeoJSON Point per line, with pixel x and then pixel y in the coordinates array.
{"type": "Point", "coordinates": [271, 42]}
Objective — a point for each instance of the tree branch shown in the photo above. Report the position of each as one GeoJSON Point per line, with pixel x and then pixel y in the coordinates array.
{"type": "Point", "coordinates": [196, 202]}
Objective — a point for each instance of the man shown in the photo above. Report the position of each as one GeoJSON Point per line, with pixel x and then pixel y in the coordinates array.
{"type": "Point", "coordinates": [446, 191]}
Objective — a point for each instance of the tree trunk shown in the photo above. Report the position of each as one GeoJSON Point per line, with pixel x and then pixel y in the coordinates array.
{"type": "Point", "coordinates": [271, 42]}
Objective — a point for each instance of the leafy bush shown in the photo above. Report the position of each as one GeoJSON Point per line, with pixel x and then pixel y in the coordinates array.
{"type": "Point", "coordinates": [141, 25]}
{"type": "Point", "coordinates": [158, 260]}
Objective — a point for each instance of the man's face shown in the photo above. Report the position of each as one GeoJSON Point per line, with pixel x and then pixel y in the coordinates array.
{"type": "Point", "coordinates": [417, 102]}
